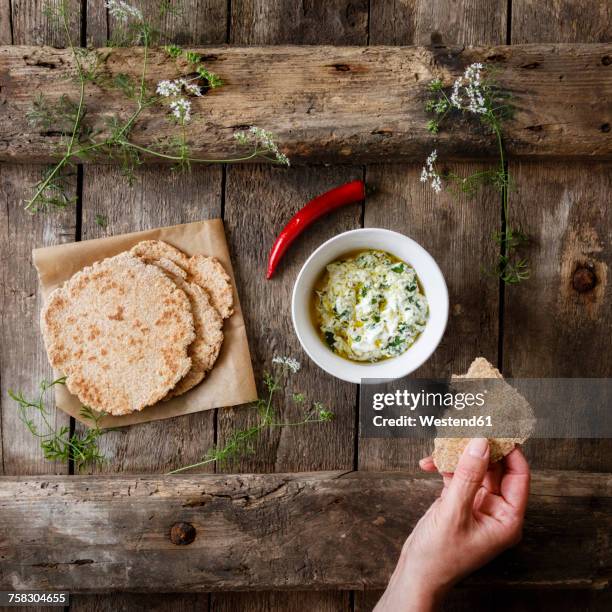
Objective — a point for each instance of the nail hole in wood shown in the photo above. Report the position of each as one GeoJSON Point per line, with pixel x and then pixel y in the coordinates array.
{"type": "Point", "coordinates": [606, 60]}
{"type": "Point", "coordinates": [605, 127]}
{"type": "Point", "coordinates": [584, 279]}
{"type": "Point", "coordinates": [182, 534]}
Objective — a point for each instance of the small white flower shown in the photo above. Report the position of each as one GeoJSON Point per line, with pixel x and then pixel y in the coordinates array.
{"type": "Point", "coordinates": [282, 159]}
{"type": "Point", "coordinates": [264, 140]}
{"type": "Point", "coordinates": [471, 85]}
{"type": "Point", "coordinates": [429, 162]}
{"type": "Point", "coordinates": [181, 109]}
{"type": "Point", "coordinates": [192, 88]}
{"type": "Point", "coordinates": [455, 97]}
{"type": "Point", "coordinates": [288, 362]}
{"type": "Point", "coordinates": [429, 173]}
{"type": "Point", "coordinates": [122, 10]}
{"type": "Point", "coordinates": [168, 88]}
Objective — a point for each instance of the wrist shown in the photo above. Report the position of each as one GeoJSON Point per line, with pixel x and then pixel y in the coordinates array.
{"type": "Point", "coordinates": [423, 597]}
{"type": "Point", "coordinates": [424, 586]}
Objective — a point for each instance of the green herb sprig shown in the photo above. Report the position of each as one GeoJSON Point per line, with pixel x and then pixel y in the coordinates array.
{"type": "Point", "coordinates": [79, 142]}
{"type": "Point", "coordinates": [242, 442]}
{"type": "Point", "coordinates": [59, 444]}
{"type": "Point", "coordinates": [472, 94]}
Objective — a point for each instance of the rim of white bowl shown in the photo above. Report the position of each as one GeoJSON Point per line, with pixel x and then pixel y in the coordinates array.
{"type": "Point", "coordinates": [392, 368]}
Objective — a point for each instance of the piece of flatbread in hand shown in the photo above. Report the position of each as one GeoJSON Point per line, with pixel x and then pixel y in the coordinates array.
{"type": "Point", "coordinates": [447, 451]}
{"type": "Point", "coordinates": [119, 331]}
{"type": "Point", "coordinates": [205, 349]}
{"type": "Point", "coordinates": [211, 276]}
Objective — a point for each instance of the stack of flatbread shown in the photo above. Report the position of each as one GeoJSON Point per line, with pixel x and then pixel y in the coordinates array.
{"type": "Point", "coordinates": [139, 327]}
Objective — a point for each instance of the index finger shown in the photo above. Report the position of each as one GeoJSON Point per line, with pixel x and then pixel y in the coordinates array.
{"type": "Point", "coordinates": [514, 486]}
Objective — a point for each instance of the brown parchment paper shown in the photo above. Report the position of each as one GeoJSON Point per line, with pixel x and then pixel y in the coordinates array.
{"type": "Point", "coordinates": [231, 381]}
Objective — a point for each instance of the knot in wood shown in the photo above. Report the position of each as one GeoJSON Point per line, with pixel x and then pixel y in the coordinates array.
{"type": "Point", "coordinates": [182, 533]}
{"type": "Point", "coordinates": [584, 279]}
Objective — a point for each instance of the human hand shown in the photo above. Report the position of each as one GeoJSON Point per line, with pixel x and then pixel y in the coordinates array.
{"type": "Point", "coordinates": [478, 515]}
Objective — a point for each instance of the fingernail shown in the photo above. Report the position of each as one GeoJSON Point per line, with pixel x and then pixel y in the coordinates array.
{"type": "Point", "coordinates": [478, 447]}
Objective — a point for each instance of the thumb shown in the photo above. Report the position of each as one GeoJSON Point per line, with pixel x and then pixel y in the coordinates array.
{"type": "Point", "coordinates": [469, 475]}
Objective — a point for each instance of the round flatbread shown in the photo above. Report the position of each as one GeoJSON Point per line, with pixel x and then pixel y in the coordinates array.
{"type": "Point", "coordinates": [119, 331]}
{"type": "Point", "coordinates": [210, 275]}
{"type": "Point", "coordinates": [208, 324]}
{"type": "Point", "coordinates": [151, 251]}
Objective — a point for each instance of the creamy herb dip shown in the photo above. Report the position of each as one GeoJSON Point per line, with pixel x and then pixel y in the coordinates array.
{"type": "Point", "coordinates": [369, 306]}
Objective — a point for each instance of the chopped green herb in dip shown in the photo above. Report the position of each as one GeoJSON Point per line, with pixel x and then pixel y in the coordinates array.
{"type": "Point", "coordinates": [370, 306]}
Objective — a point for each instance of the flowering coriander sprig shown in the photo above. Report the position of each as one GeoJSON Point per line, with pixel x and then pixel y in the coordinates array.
{"type": "Point", "coordinates": [181, 110]}
{"type": "Point", "coordinates": [473, 94]}
{"type": "Point", "coordinates": [81, 141]}
{"type": "Point", "coordinates": [289, 362]}
{"type": "Point", "coordinates": [122, 10]}
{"type": "Point", "coordinates": [429, 172]}
{"type": "Point", "coordinates": [263, 141]}
{"type": "Point", "coordinates": [241, 442]}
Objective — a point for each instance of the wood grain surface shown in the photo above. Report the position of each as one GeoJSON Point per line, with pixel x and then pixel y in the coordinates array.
{"type": "Point", "coordinates": [553, 325]}
{"type": "Point", "coordinates": [280, 193]}
{"type": "Point", "coordinates": [317, 530]}
{"type": "Point", "coordinates": [332, 104]}
{"type": "Point", "coordinates": [457, 231]}
{"type": "Point", "coordinates": [23, 361]}
{"type": "Point", "coordinates": [447, 226]}
{"type": "Point", "coordinates": [570, 226]}
{"type": "Point", "coordinates": [159, 197]}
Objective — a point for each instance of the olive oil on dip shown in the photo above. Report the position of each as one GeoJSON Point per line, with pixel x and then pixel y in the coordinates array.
{"type": "Point", "coordinates": [368, 306]}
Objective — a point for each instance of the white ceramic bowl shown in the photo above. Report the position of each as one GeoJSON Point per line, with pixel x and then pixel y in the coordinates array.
{"type": "Point", "coordinates": [405, 249]}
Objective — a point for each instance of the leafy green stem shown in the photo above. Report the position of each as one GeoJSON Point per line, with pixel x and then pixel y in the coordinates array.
{"type": "Point", "coordinates": [241, 441]}
{"type": "Point", "coordinates": [68, 117]}
{"type": "Point", "coordinates": [58, 444]}
{"type": "Point", "coordinates": [178, 158]}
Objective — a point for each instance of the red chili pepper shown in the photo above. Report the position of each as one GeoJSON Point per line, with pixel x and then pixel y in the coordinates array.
{"type": "Point", "coordinates": [349, 193]}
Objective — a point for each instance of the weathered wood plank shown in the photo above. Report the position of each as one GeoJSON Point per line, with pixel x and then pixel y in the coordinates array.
{"type": "Point", "coordinates": [568, 21]}
{"type": "Point", "coordinates": [419, 22]}
{"type": "Point", "coordinates": [183, 22]}
{"type": "Point", "coordinates": [139, 602]}
{"type": "Point", "coordinates": [23, 363]}
{"type": "Point", "coordinates": [457, 231]}
{"type": "Point", "coordinates": [335, 104]}
{"type": "Point", "coordinates": [33, 24]}
{"type": "Point", "coordinates": [324, 530]}
{"type": "Point", "coordinates": [266, 308]}
{"type": "Point", "coordinates": [259, 200]}
{"type": "Point", "coordinates": [159, 197]}
{"type": "Point", "coordinates": [6, 35]}
{"type": "Point", "coordinates": [550, 327]}
{"type": "Point", "coordinates": [278, 601]}
{"type": "Point", "coordinates": [290, 22]}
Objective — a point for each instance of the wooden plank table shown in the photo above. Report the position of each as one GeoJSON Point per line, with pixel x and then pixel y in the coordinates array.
{"type": "Point", "coordinates": [563, 205]}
